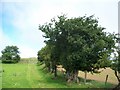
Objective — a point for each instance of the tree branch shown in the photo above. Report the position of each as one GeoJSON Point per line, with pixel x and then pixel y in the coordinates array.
{"type": "Point", "coordinates": [117, 76]}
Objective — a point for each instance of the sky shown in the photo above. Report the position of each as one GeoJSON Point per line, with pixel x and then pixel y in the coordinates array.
{"type": "Point", "coordinates": [19, 19]}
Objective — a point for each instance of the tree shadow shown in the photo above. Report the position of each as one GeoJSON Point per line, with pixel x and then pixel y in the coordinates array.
{"type": "Point", "coordinates": [61, 80]}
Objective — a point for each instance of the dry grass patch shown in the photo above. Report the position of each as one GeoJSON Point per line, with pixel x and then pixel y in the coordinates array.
{"type": "Point", "coordinates": [101, 76]}
{"type": "Point", "coordinates": [97, 76]}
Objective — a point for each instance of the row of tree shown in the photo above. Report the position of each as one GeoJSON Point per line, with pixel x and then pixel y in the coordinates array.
{"type": "Point", "coordinates": [76, 44]}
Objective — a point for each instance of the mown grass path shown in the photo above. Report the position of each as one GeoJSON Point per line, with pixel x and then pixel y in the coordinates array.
{"type": "Point", "coordinates": [33, 76]}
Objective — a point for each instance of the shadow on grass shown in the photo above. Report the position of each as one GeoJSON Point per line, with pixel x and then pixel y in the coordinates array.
{"type": "Point", "coordinates": [48, 78]}
{"type": "Point", "coordinates": [61, 82]}
{"type": "Point", "coordinates": [97, 83]}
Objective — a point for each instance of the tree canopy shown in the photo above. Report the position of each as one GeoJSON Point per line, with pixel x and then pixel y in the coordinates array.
{"type": "Point", "coordinates": [78, 44]}
{"type": "Point", "coordinates": [10, 54]}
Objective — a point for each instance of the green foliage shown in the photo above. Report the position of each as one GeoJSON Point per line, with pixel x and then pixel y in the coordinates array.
{"type": "Point", "coordinates": [78, 43]}
{"type": "Point", "coordinates": [116, 61]}
{"type": "Point", "coordinates": [86, 44]}
{"type": "Point", "coordinates": [44, 54]}
{"type": "Point", "coordinates": [10, 54]}
{"type": "Point", "coordinates": [44, 57]}
{"type": "Point", "coordinates": [116, 53]}
{"type": "Point", "coordinates": [116, 68]}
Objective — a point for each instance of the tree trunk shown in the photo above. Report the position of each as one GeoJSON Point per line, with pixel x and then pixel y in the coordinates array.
{"type": "Point", "coordinates": [75, 77]}
{"type": "Point", "coordinates": [85, 77]}
{"type": "Point", "coordinates": [49, 68]}
{"type": "Point", "coordinates": [117, 75]}
{"type": "Point", "coordinates": [55, 73]}
{"type": "Point", "coordinates": [118, 78]}
{"type": "Point", "coordinates": [72, 76]}
{"type": "Point", "coordinates": [69, 79]}
{"type": "Point", "coordinates": [68, 76]}
{"type": "Point", "coordinates": [52, 67]}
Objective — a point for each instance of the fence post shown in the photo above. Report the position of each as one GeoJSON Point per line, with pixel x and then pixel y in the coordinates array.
{"type": "Point", "coordinates": [106, 79]}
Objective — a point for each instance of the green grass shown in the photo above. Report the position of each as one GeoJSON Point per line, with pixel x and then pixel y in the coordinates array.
{"type": "Point", "coordinates": [0, 74]}
{"type": "Point", "coordinates": [33, 76]}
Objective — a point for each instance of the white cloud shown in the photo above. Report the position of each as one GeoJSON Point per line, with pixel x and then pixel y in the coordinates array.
{"type": "Point", "coordinates": [4, 40]}
{"type": "Point", "coordinates": [30, 39]}
{"type": "Point", "coordinates": [26, 51]}
{"type": "Point", "coordinates": [30, 13]}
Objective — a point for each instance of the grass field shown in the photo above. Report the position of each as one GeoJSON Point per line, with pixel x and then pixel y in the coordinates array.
{"type": "Point", "coordinates": [102, 76]}
{"type": "Point", "coordinates": [0, 75]}
{"type": "Point", "coordinates": [33, 76]}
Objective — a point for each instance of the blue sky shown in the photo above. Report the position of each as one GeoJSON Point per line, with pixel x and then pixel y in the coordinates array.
{"type": "Point", "coordinates": [20, 19]}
